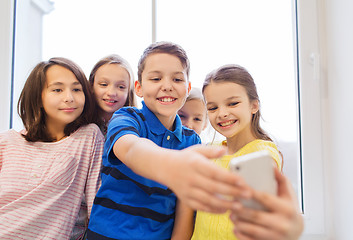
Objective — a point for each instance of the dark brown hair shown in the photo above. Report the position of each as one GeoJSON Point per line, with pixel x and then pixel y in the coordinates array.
{"type": "Point", "coordinates": [116, 59]}
{"type": "Point", "coordinates": [164, 47]}
{"type": "Point", "coordinates": [239, 75]}
{"type": "Point", "coordinates": [30, 102]}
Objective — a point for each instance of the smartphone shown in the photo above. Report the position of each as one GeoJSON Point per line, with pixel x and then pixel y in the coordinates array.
{"type": "Point", "coordinates": [257, 170]}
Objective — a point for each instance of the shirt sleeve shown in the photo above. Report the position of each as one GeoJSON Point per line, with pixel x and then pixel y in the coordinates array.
{"type": "Point", "coordinates": [122, 123]}
{"type": "Point", "coordinates": [272, 149]}
{"type": "Point", "coordinates": [93, 179]}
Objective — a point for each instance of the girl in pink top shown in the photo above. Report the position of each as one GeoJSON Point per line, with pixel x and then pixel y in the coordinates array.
{"type": "Point", "coordinates": [47, 168]}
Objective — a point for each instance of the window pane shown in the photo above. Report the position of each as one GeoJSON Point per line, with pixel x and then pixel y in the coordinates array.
{"type": "Point", "coordinates": [256, 34]}
{"type": "Point", "coordinates": [86, 31]}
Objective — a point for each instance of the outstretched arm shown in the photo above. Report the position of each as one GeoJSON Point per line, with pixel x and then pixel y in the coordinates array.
{"type": "Point", "coordinates": [282, 221]}
{"type": "Point", "coordinates": [198, 182]}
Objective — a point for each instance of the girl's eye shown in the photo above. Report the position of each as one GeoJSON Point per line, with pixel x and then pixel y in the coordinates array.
{"type": "Point", "coordinates": [122, 87]}
{"type": "Point", "coordinates": [77, 89]}
{"type": "Point", "coordinates": [57, 90]}
{"type": "Point", "coordinates": [197, 119]}
{"type": "Point", "coordinates": [155, 79]}
{"type": "Point", "coordinates": [103, 84]}
{"type": "Point", "coordinates": [181, 116]}
{"type": "Point", "coordinates": [233, 103]}
{"type": "Point", "coordinates": [178, 80]}
{"type": "Point", "coordinates": [211, 108]}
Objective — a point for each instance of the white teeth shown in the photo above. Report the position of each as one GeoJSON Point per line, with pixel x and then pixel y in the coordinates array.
{"type": "Point", "coordinates": [224, 124]}
{"type": "Point", "coordinates": [110, 101]}
{"type": "Point", "coordinates": [166, 99]}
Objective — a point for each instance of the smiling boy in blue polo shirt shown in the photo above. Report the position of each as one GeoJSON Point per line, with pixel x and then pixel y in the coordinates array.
{"type": "Point", "coordinates": [144, 142]}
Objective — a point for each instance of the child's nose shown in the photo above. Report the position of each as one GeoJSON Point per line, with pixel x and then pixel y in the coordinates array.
{"type": "Point", "coordinates": [167, 85]}
{"type": "Point", "coordinates": [112, 91]}
{"type": "Point", "coordinates": [69, 97]}
{"type": "Point", "coordinates": [223, 112]}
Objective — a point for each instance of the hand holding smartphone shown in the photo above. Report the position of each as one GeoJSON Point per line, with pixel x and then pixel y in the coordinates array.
{"type": "Point", "coordinates": [257, 170]}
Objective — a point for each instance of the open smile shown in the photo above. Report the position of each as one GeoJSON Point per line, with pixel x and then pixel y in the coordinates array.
{"type": "Point", "coordinates": [166, 100]}
{"type": "Point", "coordinates": [110, 102]}
{"type": "Point", "coordinates": [227, 123]}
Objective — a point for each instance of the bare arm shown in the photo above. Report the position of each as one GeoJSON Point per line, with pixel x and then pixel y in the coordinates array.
{"type": "Point", "coordinates": [184, 222]}
{"type": "Point", "coordinates": [283, 221]}
{"type": "Point", "coordinates": [196, 181]}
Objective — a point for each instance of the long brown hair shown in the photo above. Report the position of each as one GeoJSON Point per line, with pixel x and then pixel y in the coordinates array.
{"type": "Point", "coordinates": [239, 75]}
{"type": "Point", "coordinates": [116, 59]}
{"type": "Point", "coordinates": [30, 102]}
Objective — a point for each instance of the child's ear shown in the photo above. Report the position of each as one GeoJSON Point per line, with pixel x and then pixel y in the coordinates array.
{"type": "Point", "coordinates": [138, 89]}
{"type": "Point", "coordinates": [255, 106]}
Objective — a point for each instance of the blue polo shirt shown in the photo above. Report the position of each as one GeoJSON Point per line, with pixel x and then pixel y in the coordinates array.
{"type": "Point", "coordinates": [127, 205]}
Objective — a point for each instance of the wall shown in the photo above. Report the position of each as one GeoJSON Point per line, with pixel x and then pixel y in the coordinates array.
{"type": "Point", "coordinates": [339, 35]}
{"type": "Point", "coordinates": [6, 26]}
{"type": "Point", "coordinates": [28, 45]}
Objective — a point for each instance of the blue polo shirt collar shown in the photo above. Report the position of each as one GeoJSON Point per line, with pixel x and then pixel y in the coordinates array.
{"type": "Point", "coordinates": [157, 127]}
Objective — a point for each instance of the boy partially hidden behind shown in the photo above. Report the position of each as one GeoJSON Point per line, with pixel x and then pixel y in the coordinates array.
{"type": "Point", "coordinates": [144, 142]}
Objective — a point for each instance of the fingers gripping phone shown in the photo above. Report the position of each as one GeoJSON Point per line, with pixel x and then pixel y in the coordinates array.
{"type": "Point", "coordinates": [257, 170]}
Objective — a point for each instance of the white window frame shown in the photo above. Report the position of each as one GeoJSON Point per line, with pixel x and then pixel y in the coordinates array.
{"type": "Point", "coordinates": [6, 42]}
{"type": "Point", "coordinates": [311, 118]}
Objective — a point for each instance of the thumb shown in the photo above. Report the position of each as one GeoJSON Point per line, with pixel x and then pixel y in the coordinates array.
{"type": "Point", "coordinates": [209, 151]}
{"type": "Point", "coordinates": [281, 183]}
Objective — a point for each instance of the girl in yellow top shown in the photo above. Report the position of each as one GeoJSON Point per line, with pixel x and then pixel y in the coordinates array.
{"type": "Point", "coordinates": [234, 111]}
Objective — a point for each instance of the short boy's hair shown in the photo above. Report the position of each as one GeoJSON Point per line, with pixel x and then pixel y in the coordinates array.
{"type": "Point", "coordinates": [164, 47]}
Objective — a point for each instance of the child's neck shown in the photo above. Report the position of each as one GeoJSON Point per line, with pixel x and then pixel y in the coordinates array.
{"type": "Point", "coordinates": [235, 143]}
{"type": "Point", "coordinates": [106, 116]}
{"type": "Point", "coordinates": [56, 133]}
{"type": "Point", "coordinates": [168, 123]}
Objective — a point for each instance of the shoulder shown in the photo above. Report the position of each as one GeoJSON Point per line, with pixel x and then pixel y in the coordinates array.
{"type": "Point", "coordinates": [12, 142]}
{"type": "Point", "coordinates": [10, 135]}
{"type": "Point", "coordinates": [127, 114]}
{"type": "Point", "coordinates": [191, 135]}
{"type": "Point", "coordinates": [188, 132]}
{"type": "Point", "coordinates": [270, 146]}
{"type": "Point", "coordinates": [260, 144]}
{"type": "Point", "coordinates": [129, 111]}
{"type": "Point", "coordinates": [89, 131]}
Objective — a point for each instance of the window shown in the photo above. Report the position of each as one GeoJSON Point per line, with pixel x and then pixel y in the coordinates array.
{"type": "Point", "coordinates": [262, 36]}
{"type": "Point", "coordinates": [256, 34]}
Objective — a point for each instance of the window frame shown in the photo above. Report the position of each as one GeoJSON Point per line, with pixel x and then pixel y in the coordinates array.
{"type": "Point", "coordinates": [6, 48]}
{"type": "Point", "coordinates": [315, 212]}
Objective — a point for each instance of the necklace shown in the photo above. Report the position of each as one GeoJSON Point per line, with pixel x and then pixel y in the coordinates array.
{"type": "Point", "coordinates": [61, 138]}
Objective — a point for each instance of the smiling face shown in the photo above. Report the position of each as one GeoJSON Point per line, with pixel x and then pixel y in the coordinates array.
{"type": "Point", "coordinates": [193, 115]}
{"type": "Point", "coordinates": [110, 87]}
{"type": "Point", "coordinates": [164, 86]}
{"type": "Point", "coordinates": [63, 99]}
{"type": "Point", "coordinates": [230, 111]}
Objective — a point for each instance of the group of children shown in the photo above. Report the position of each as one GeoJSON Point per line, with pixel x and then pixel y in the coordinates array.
{"type": "Point", "coordinates": [152, 172]}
